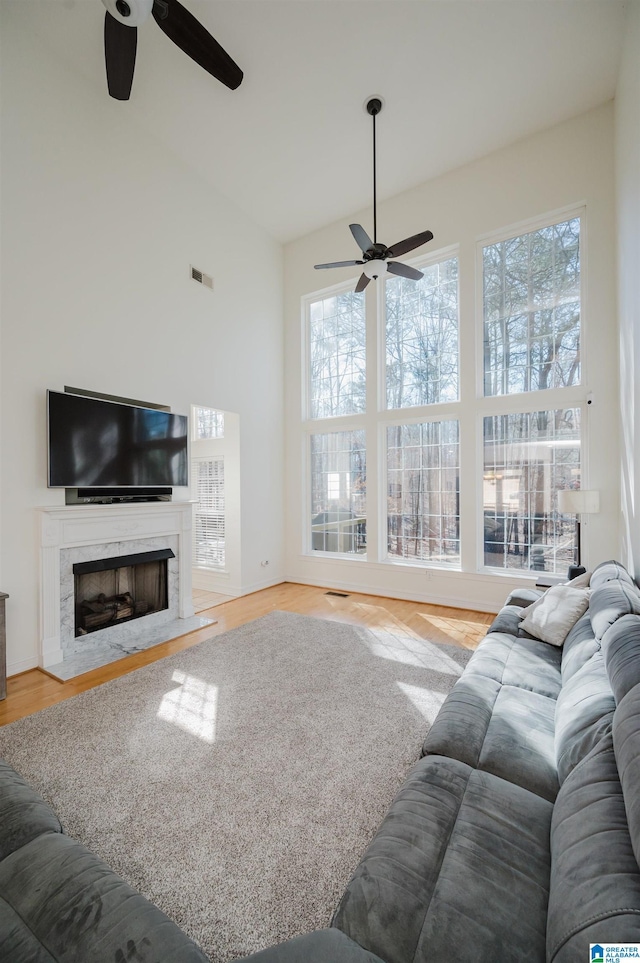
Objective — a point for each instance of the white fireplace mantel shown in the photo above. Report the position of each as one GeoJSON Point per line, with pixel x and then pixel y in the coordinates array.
{"type": "Point", "coordinates": [71, 526]}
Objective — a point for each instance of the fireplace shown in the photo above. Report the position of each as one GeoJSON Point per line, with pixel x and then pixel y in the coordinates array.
{"type": "Point", "coordinates": [110, 591]}
{"type": "Point", "coordinates": [71, 535]}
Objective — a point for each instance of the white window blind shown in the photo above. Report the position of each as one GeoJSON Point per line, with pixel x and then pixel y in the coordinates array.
{"type": "Point", "coordinates": [209, 535]}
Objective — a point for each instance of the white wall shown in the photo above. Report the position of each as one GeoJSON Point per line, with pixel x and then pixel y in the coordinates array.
{"type": "Point", "coordinates": [571, 163]}
{"type": "Point", "coordinates": [99, 227]}
{"type": "Point", "coordinates": [627, 141]}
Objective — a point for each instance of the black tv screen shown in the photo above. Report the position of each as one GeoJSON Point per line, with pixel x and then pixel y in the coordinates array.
{"type": "Point", "coordinates": [106, 444]}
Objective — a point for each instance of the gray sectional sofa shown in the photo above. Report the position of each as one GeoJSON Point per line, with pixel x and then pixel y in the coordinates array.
{"type": "Point", "coordinates": [515, 838]}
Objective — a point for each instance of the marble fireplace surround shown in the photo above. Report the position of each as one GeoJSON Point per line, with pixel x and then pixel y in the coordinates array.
{"type": "Point", "coordinates": [81, 533]}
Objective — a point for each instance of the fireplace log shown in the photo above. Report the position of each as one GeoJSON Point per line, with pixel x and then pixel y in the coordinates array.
{"type": "Point", "coordinates": [95, 613]}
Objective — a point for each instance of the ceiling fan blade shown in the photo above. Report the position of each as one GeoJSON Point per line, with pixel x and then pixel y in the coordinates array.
{"type": "Point", "coordinates": [409, 244]}
{"type": "Point", "coordinates": [362, 283]}
{"type": "Point", "coordinates": [403, 270]}
{"type": "Point", "coordinates": [188, 33]}
{"type": "Point", "coordinates": [362, 239]}
{"type": "Point", "coordinates": [335, 264]}
{"type": "Point", "coordinates": [120, 44]}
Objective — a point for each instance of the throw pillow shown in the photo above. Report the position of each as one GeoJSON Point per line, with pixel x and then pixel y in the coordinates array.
{"type": "Point", "coordinates": [554, 615]}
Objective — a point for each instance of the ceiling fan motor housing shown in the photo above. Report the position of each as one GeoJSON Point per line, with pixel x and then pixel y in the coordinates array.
{"type": "Point", "coordinates": [130, 12]}
{"type": "Point", "coordinates": [375, 252]}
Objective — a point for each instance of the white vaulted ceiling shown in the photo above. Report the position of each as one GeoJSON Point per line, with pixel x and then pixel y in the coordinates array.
{"type": "Point", "coordinates": [292, 146]}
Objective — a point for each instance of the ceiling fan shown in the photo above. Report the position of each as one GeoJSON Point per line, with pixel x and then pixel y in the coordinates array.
{"type": "Point", "coordinates": [122, 19]}
{"type": "Point", "coordinates": [375, 256]}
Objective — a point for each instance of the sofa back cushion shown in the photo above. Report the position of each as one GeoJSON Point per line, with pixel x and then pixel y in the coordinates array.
{"type": "Point", "coordinates": [608, 571]}
{"type": "Point", "coordinates": [621, 651]}
{"type": "Point", "coordinates": [24, 814]}
{"type": "Point", "coordinates": [578, 647]}
{"type": "Point", "coordinates": [611, 601]}
{"type": "Point", "coordinates": [595, 881]}
{"type": "Point", "coordinates": [584, 714]}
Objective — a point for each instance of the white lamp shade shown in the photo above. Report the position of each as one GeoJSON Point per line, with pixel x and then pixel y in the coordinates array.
{"type": "Point", "coordinates": [375, 268]}
{"type": "Point", "coordinates": [138, 11]}
{"type": "Point", "coordinates": [578, 501]}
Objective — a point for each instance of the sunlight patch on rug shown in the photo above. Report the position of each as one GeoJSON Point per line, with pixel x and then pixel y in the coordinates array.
{"type": "Point", "coordinates": [192, 706]}
{"type": "Point", "coordinates": [425, 700]}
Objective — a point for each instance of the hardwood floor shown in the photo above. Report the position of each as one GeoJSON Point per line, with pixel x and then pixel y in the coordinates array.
{"type": "Point", "coordinates": [205, 600]}
{"type": "Point", "coordinates": [34, 690]}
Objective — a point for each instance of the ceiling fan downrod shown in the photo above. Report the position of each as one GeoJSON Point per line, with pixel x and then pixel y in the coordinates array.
{"type": "Point", "coordinates": [374, 106]}
{"type": "Point", "coordinates": [376, 257]}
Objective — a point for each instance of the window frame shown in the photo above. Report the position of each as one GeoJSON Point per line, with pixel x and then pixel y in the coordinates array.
{"type": "Point", "coordinates": [572, 396]}
{"type": "Point", "coordinates": [306, 394]}
{"type": "Point", "coordinates": [481, 565]}
{"type": "Point", "coordinates": [327, 426]}
{"type": "Point", "coordinates": [519, 229]}
{"type": "Point", "coordinates": [425, 261]}
{"type": "Point", "coordinates": [470, 409]}
{"type": "Point", "coordinates": [384, 555]}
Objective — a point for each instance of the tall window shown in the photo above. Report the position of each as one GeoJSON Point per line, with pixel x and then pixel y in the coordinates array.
{"type": "Point", "coordinates": [337, 347]}
{"type": "Point", "coordinates": [422, 337]}
{"type": "Point", "coordinates": [338, 492]}
{"type": "Point", "coordinates": [423, 492]}
{"type": "Point", "coordinates": [445, 454]}
{"type": "Point", "coordinates": [532, 310]}
{"type": "Point", "coordinates": [532, 321]}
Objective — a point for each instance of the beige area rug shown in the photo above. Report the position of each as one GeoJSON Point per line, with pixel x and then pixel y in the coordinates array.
{"type": "Point", "coordinates": [238, 783]}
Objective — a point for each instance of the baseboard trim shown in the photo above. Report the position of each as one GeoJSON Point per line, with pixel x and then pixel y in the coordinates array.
{"type": "Point", "coordinates": [259, 586]}
{"type": "Point", "coordinates": [452, 602]}
{"type": "Point", "coordinates": [17, 668]}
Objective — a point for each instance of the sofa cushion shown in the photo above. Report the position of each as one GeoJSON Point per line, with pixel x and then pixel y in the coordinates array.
{"type": "Point", "coordinates": [17, 939]}
{"type": "Point", "coordinates": [584, 714]}
{"type": "Point", "coordinates": [621, 650]}
{"type": "Point", "coordinates": [23, 812]}
{"type": "Point", "coordinates": [500, 729]}
{"type": "Point", "coordinates": [609, 571]}
{"type": "Point", "coordinates": [579, 646]}
{"type": "Point", "coordinates": [77, 909]}
{"type": "Point", "coordinates": [437, 882]}
{"type": "Point", "coordinates": [553, 616]}
{"type": "Point", "coordinates": [595, 882]}
{"type": "Point", "coordinates": [523, 662]}
{"type": "Point", "coordinates": [626, 741]}
{"type": "Point", "coordinates": [611, 601]}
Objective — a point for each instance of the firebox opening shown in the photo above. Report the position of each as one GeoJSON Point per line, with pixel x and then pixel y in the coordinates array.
{"type": "Point", "coordinates": [115, 590]}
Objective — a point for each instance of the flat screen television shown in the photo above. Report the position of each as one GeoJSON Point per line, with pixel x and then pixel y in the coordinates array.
{"type": "Point", "coordinates": [94, 443]}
